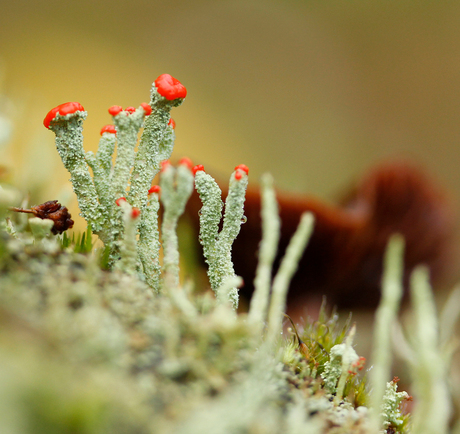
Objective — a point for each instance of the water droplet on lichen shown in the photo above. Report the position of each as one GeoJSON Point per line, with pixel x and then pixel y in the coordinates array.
{"type": "Point", "coordinates": [244, 219]}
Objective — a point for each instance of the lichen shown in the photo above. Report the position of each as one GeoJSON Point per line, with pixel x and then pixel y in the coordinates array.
{"type": "Point", "coordinates": [115, 340]}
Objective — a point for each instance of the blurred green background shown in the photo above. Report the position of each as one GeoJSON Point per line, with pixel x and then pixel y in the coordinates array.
{"type": "Point", "coordinates": [312, 91]}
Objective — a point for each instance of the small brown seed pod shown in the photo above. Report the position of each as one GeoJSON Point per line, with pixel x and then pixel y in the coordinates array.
{"type": "Point", "coordinates": [51, 210]}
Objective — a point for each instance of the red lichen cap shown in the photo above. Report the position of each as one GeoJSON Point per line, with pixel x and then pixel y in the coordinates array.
{"type": "Point", "coordinates": [108, 129]}
{"type": "Point", "coordinates": [360, 363]}
{"type": "Point", "coordinates": [135, 213]}
{"type": "Point", "coordinates": [172, 123]}
{"type": "Point", "coordinates": [169, 87]}
{"type": "Point", "coordinates": [147, 108]}
{"type": "Point", "coordinates": [238, 175]}
{"type": "Point", "coordinates": [197, 168]}
{"type": "Point", "coordinates": [130, 109]}
{"type": "Point", "coordinates": [63, 109]}
{"type": "Point", "coordinates": [164, 165]}
{"type": "Point", "coordinates": [120, 200]}
{"type": "Point", "coordinates": [155, 189]}
{"type": "Point", "coordinates": [115, 109]}
{"type": "Point", "coordinates": [186, 162]}
{"type": "Point", "coordinates": [243, 167]}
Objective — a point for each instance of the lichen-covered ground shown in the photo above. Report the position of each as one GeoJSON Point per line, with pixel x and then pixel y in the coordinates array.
{"type": "Point", "coordinates": [85, 350]}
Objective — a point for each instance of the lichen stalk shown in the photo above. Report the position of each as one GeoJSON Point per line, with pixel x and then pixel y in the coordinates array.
{"type": "Point", "coordinates": [69, 143]}
{"type": "Point", "coordinates": [433, 405]}
{"type": "Point", "coordinates": [449, 318]}
{"type": "Point", "coordinates": [102, 167]}
{"type": "Point", "coordinates": [285, 272]}
{"type": "Point", "coordinates": [128, 126]}
{"type": "Point", "coordinates": [128, 262]}
{"type": "Point", "coordinates": [41, 228]}
{"type": "Point", "coordinates": [217, 246]}
{"type": "Point", "coordinates": [167, 144]}
{"type": "Point", "coordinates": [341, 358]}
{"type": "Point", "coordinates": [234, 210]}
{"type": "Point", "coordinates": [348, 358]}
{"type": "Point", "coordinates": [116, 233]}
{"type": "Point", "coordinates": [385, 317]}
{"type": "Point", "coordinates": [391, 405]}
{"type": "Point", "coordinates": [267, 251]}
{"type": "Point", "coordinates": [105, 151]}
{"type": "Point", "coordinates": [148, 158]}
{"type": "Point", "coordinates": [210, 213]}
{"type": "Point", "coordinates": [177, 186]}
{"type": "Point", "coordinates": [227, 287]}
{"type": "Point", "coordinates": [149, 243]}
{"type": "Point", "coordinates": [101, 182]}
{"type": "Point", "coordinates": [233, 219]}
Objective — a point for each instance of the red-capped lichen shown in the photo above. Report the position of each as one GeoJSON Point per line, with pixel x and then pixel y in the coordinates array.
{"type": "Point", "coordinates": [197, 168]}
{"type": "Point", "coordinates": [243, 167]}
{"type": "Point", "coordinates": [164, 165]}
{"type": "Point", "coordinates": [108, 129]}
{"type": "Point", "coordinates": [63, 109]}
{"type": "Point", "coordinates": [115, 109]}
{"type": "Point", "coordinates": [185, 161]}
{"type": "Point", "coordinates": [147, 108]}
{"type": "Point", "coordinates": [169, 87]}
{"type": "Point", "coordinates": [155, 189]}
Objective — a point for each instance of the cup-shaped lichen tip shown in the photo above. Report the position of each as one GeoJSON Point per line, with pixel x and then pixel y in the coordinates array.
{"type": "Point", "coordinates": [169, 87]}
{"type": "Point", "coordinates": [155, 189]}
{"type": "Point", "coordinates": [147, 108]}
{"type": "Point", "coordinates": [108, 129]}
{"type": "Point", "coordinates": [115, 110]}
{"type": "Point", "coordinates": [65, 109]}
{"type": "Point", "coordinates": [198, 168]}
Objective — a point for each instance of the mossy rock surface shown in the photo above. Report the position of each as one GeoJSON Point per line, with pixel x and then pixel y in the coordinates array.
{"type": "Point", "coordinates": [89, 350]}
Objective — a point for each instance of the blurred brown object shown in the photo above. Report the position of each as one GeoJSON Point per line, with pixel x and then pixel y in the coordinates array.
{"type": "Point", "coordinates": [51, 210]}
{"type": "Point", "coordinates": [343, 260]}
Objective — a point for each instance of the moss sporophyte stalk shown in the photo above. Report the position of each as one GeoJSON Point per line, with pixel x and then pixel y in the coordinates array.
{"type": "Point", "coordinates": [168, 357]}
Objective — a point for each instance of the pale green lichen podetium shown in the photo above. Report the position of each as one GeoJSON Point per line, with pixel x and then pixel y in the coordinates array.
{"type": "Point", "coordinates": [148, 245]}
{"type": "Point", "coordinates": [342, 357]}
{"type": "Point", "coordinates": [391, 413]}
{"type": "Point", "coordinates": [217, 245]}
{"type": "Point", "coordinates": [101, 165]}
{"type": "Point", "coordinates": [128, 262]}
{"type": "Point", "coordinates": [128, 126]}
{"type": "Point", "coordinates": [167, 143]}
{"type": "Point", "coordinates": [41, 228]}
{"type": "Point", "coordinates": [68, 128]}
{"type": "Point", "coordinates": [271, 224]}
{"type": "Point", "coordinates": [210, 213]}
{"type": "Point", "coordinates": [176, 186]}
{"type": "Point", "coordinates": [349, 358]}
{"type": "Point", "coordinates": [385, 317]}
{"type": "Point", "coordinates": [285, 272]}
{"type": "Point", "coordinates": [430, 371]}
{"type": "Point", "coordinates": [148, 156]}
{"type": "Point", "coordinates": [97, 197]}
